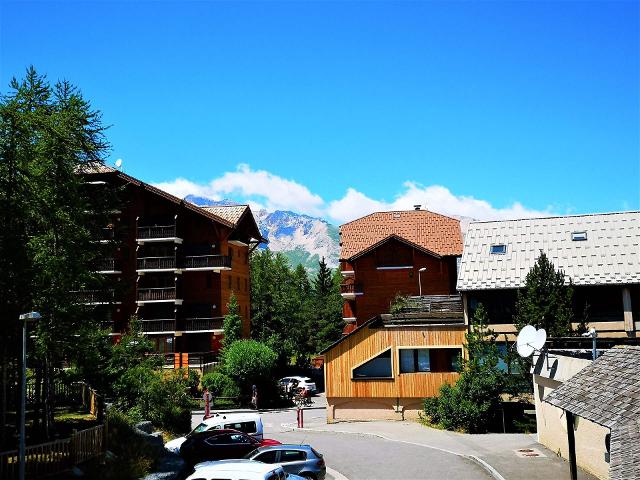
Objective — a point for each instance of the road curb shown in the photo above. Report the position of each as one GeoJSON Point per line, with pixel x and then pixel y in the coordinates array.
{"type": "Point", "coordinates": [478, 461]}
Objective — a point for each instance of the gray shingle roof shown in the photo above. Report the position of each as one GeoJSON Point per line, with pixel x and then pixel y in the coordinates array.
{"type": "Point", "coordinates": [607, 392]}
{"type": "Point", "coordinates": [610, 255]}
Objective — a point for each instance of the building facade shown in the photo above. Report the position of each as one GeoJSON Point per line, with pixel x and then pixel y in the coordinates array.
{"type": "Point", "coordinates": [173, 265]}
{"type": "Point", "coordinates": [387, 254]}
{"type": "Point", "coordinates": [599, 254]}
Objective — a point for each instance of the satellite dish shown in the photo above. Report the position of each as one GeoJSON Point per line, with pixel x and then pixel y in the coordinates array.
{"type": "Point", "coordinates": [118, 163]}
{"type": "Point", "coordinates": [541, 338]}
{"type": "Point", "coordinates": [526, 337]}
{"type": "Point", "coordinates": [530, 340]}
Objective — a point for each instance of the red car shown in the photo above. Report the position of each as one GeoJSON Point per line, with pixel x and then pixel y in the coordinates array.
{"type": "Point", "coordinates": [220, 445]}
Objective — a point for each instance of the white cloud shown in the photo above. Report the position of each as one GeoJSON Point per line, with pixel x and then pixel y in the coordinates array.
{"type": "Point", "coordinates": [436, 198]}
{"type": "Point", "coordinates": [263, 189]}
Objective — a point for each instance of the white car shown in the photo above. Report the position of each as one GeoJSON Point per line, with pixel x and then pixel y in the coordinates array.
{"type": "Point", "coordinates": [287, 383]}
{"type": "Point", "coordinates": [249, 423]}
{"type": "Point", "coordinates": [239, 470]}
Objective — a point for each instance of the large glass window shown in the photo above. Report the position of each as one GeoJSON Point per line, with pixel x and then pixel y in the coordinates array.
{"type": "Point", "coordinates": [414, 360]}
{"type": "Point", "coordinates": [377, 367]}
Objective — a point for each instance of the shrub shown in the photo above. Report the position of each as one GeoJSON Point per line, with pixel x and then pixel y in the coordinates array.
{"type": "Point", "coordinates": [248, 363]}
{"type": "Point", "coordinates": [167, 402]}
{"type": "Point", "coordinates": [193, 381]}
{"type": "Point", "coordinates": [473, 402]}
{"type": "Point", "coordinates": [220, 385]}
{"type": "Point", "coordinates": [398, 304]}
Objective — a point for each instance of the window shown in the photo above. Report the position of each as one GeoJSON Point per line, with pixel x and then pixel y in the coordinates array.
{"type": "Point", "coordinates": [377, 367]}
{"type": "Point", "coordinates": [246, 427]}
{"type": "Point", "coordinates": [499, 249]}
{"type": "Point", "coordinates": [267, 457]}
{"type": "Point", "coordinates": [414, 360]}
{"type": "Point", "coordinates": [578, 236]}
{"type": "Point", "coordinates": [238, 438]}
{"type": "Point", "coordinates": [292, 456]}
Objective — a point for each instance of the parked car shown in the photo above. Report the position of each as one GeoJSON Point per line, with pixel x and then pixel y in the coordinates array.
{"type": "Point", "coordinates": [294, 383]}
{"type": "Point", "coordinates": [249, 423]}
{"type": "Point", "coordinates": [238, 470]}
{"type": "Point", "coordinates": [301, 460]}
{"type": "Point", "coordinates": [219, 445]}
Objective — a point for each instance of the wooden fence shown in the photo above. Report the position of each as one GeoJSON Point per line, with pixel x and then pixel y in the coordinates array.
{"type": "Point", "coordinates": [54, 458]}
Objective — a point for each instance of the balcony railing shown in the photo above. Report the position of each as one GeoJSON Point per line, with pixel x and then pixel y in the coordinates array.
{"type": "Point", "coordinates": [202, 324]}
{"type": "Point", "coordinates": [207, 261]}
{"type": "Point", "coordinates": [156, 294]}
{"type": "Point", "coordinates": [433, 303]}
{"type": "Point", "coordinates": [93, 296]}
{"type": "Point", "coordinates": [155, 232]}
{"type": "Point", "coordinates": [351, 288]}
{"type": "Point", "coordinates": [156, 263]}
{"type": "Point", "coordinates": [159, 325]}
{"type": "Point", "coordinates": [106, 265]}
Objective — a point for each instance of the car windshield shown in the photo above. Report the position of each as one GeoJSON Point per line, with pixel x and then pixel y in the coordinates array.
{"type": "Point", "coordinates": [250, 454]}
{"type": "Point", "coordinates": [203, 427]}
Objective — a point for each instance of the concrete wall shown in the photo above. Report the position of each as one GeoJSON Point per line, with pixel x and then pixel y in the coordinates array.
{"type": "Point", "coordinates": [362, 409]}
{"type": "Point", "coordinates": [552, 423]}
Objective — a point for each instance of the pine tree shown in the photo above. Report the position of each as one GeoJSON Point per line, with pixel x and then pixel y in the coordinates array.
{"type": "Point", "coordinates": [47, 135]}
{"type": "Point", "coordinates": [545, 300]}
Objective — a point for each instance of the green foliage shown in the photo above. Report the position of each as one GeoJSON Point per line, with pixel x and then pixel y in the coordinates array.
{"type": "Point", "coordinates": [134, 457]}
{"type": "Point", "coordinates": [472, 403]}
{"type": "Point", "coordinates": [248, 363]}
{"type": "Point", "coordinates": [545, 300]}
{"type": "Point", "coordinates": [220, 385]}
{"type": "Point", "coordinates": [232, 322]}
{"type": "Point", "coordinates": [398, 304]}
{"type": "Point", "coordinates": [49, 219]}
{"type": "Point", "coordinates": [296, 317]}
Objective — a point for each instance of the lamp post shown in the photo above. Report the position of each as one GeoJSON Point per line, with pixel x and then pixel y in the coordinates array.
{"type": "Point", "coordinates": [423, 269]}
{"type": "Point", "coordinates": [24, 318]}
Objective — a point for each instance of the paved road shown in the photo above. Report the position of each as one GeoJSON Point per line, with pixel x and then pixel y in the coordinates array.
{"type": "Point", "coordinates": [363, 457]}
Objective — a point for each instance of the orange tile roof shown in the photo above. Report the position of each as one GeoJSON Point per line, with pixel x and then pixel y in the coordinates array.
{"type": "Point", "coordinates": [428, 230]}
{"type": "Point", "coordinates": [231, 213]}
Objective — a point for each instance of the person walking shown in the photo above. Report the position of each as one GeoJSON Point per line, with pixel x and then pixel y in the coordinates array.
{"type": "Point", "coordinates": [254, 397]}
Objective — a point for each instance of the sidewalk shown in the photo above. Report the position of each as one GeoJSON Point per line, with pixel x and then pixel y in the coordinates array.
{"type": "Point", "coordinates": [499, 451]}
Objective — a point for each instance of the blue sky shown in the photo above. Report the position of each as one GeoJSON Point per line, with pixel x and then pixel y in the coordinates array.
{"type": "Point", "coordinates": [486, 109]}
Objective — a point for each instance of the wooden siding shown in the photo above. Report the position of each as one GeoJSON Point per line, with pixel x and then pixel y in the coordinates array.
{"type": "Point", "coordinates": [381, 285]}
{"type": "Point", "coordinates": [367, 343]}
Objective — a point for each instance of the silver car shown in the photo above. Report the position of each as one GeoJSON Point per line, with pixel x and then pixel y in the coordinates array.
{"type": "Point", "coordinates": [300, 460]}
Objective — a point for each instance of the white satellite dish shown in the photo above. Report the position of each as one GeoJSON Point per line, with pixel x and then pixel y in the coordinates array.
{"type": "Point", "coordinates": [119, 163]}
{"type": "Point", "coordinates": [541, 338]}
{"type": "Point", "coordinates": [525, 340]}
{"type": "Point", "coordinates": [530, 340]}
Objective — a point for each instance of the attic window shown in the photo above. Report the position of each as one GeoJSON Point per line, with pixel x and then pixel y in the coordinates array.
{"type": "Point", "coordinates": [578, 236]}
{"type": "Point", "coordinates": [499, 249]}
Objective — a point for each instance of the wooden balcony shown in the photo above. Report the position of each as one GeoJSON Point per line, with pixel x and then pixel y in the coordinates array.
{"type": "Point", "coordinates": [167, 325]}
{"type": "Point", "coordinates": [433, 303]}
{"type": "Point", "coordinates": [94, 297]}
{"type": "Point", "coordinates": [157, 295]}
{"type": "Point", "coordinates": [163, 233]}
{"type": "Point", "coordinates": [207, 262]}
{"type": "Point", "coordinates": [349, 291]}
{"type": "Point", "coordinates": [156, 264]}
{"type": "Point", "coordinates": [196, 325]}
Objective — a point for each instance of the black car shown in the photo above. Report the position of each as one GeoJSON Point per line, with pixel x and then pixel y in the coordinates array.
{"type": "Point", "coordinates": [219, 445]}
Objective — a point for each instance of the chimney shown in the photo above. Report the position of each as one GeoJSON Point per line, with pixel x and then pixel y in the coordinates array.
{"type": "Point", "coordinates": [417, 207]}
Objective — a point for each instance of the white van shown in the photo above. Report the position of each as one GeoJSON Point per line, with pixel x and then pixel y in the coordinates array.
{"type": "Point", "coordinates": [249, 423]}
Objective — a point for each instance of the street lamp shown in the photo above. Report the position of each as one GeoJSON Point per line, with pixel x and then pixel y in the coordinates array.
{"type": "Point", "coordinates": [423, 269]}
{"type": "Point", "coordinates": [24, 318]}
